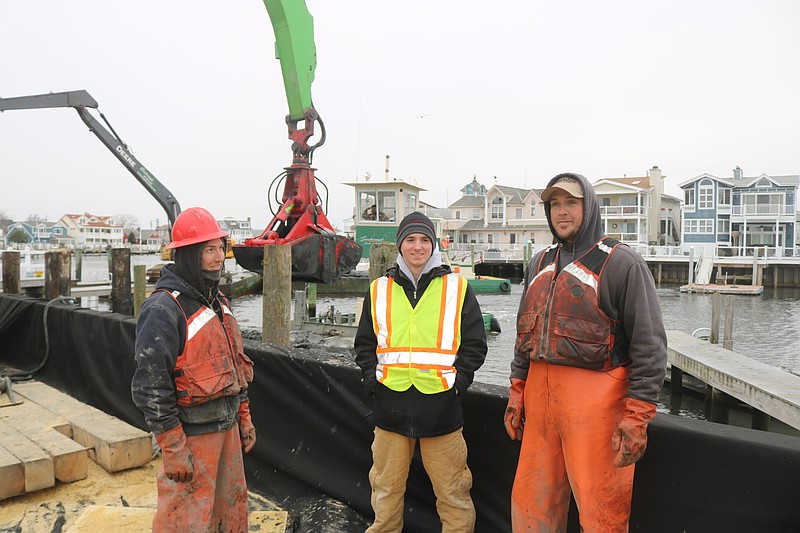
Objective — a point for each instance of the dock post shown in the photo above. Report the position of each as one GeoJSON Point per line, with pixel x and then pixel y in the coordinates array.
{"type": "Point", "coordinates": [299, 308]}
{"type": "Point", "coordinates": [691, 267]}
{"type": "Point", "coordinates": [675, 389]}
{"type": "Point", "coordinates": [472, 257]}
{"type": "Point", "coordinates": [716, 310]}
{"type": "Point", "coordinates": [755, 266]}
{"type": "Point", "coordinates": [312, 299]}
{"type": "Point", "coordinates": [11, 271]}
{"type": "Point", "coordinates": [720, 403]}
{"type": "Point", "coordinates": [78, 253]}
{"type": "Point", "coordinates": [277, 295]}
{"type": "Point", "coordinates": [760, 420]}
{"type": "Point", "coordinates": [381, 256]}
{"type": "Point", "coordinates": [57, 272]}
{"type": "Point", "coordinates": [727, 342]}
{"type": "Point", "coordinates": [139, 287]}
{"type": "Point", "coordinates": [121, 301]}
{"type": "Point", "coordinates": [659, 272]}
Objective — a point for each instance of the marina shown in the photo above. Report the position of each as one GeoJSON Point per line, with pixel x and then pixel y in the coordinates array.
{"type": "Point", "coordinates": [712, 473]}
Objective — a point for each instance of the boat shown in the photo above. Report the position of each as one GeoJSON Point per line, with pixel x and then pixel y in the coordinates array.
{"type": "Point", "coordinates": [490, 284]}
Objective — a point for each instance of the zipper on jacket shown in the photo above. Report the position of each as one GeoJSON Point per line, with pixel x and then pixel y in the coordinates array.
{"type": "Point", "coordinates": [550, 295]}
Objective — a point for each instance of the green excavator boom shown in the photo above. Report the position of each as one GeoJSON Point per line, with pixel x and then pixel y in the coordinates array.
{"type": "Point", "coordinates": [294, 48]}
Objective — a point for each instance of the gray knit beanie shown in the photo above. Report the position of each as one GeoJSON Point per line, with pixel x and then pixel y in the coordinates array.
{"type": "Point", "coordinates": [415, 222]}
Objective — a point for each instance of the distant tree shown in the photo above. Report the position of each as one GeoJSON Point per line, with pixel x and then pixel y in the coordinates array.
{"type": "Point", "coordinates": [132, 238]}
{"type": "Point", "coordinates": [18, 236]}
{"type": "Point", "coordinates": [126, 220]}
{"type": "Point", "coordinates": [34, 219]}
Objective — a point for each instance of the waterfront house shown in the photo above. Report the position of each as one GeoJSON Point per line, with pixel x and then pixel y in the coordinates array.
{"type": "Point", "coordinates": [238, 230]}
{"type": "Point", "coordinates": [497, 216]}
{"type": "Point", "coordinates": [41, 233]}
{"type": "Point", "coordinates": [733, 216]}
{"type": "Point", "coordinates": [92, 232]}
{"type": "Point", "coordinates": [636, 211]}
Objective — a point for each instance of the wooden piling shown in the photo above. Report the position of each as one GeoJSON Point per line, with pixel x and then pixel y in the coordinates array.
{"type": "Point", "coordinates": [78, 253]}
{"type": "Point", "coordinates": [716, 310]}
{"type": "Point", "coordinates": [382, 255]}
{"type": "Point", "coordinates": [760, 420]}
{"type": "Point", "coordinates": [57, 274]}
{"type": "Point", "coordinates": [311, 289]}
{"type": "Point", "coordinates": [727, 342]}
{"type": "Point", "coordinates": [139, 287]}
{"type": "Point", "coordinates": [11, 271]}
{"type": "Point", "coordinates": [675, 389]}
{"type": "Point", "coordinates": [300, 306]}
{"type": "Point", "coordinates": [121, 301]}
{"type": "Point", "coordinates": [277, 295]}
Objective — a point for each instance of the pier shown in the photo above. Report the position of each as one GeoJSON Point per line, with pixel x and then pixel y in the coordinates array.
{"type": "Point", "coordinates": [769, 390]}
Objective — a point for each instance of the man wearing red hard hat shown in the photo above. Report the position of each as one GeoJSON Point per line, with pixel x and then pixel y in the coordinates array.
{"type": "Point", "coordinates": [191, 385]}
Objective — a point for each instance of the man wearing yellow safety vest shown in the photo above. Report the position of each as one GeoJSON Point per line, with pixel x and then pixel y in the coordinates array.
{"type": "Point", "coordinates": [419, 342]}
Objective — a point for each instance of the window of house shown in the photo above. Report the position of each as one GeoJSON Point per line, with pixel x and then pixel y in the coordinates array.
{"type": "Point", "coordinates": [705, 198]}
{"type": "Point", "coordinates": [497, 209]}
{"type": "Point", "coordinates": [490, 238]}
{"type": "Point", "coordinates": [476, 214]}
{"type": "Point", "coordinates": [457, 214]}
{"type": "Point", "coordinates": [533, 208]}
{"type": "Point", "coordinates": [723, 226]}
{"type": "Point", "coordinates": [518, 213]}
{"type": "Point", "coordinates": [724, 196]}
{"type": "Point", "coordinates": [688, 197]}
{"type": "Point", "coordinates": [512, 238]}
{"type": "Point", "coordinates": [703, 225]}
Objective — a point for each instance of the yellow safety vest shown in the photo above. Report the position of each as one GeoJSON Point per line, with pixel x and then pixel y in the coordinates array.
{"type": "Point", "coordinates": [418, 345]}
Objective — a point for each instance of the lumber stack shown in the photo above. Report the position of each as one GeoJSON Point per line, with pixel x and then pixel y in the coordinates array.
{"type": "Point", "coordinates": [50, 436]}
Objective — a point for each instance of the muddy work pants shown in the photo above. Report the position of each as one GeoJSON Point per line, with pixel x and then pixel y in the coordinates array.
{"type": "Point", "coordinates": [216, 497]}
{"type": "Point", "coordinates": [570, 414]}
{"type": "Point", "coordinates": [445, 461]}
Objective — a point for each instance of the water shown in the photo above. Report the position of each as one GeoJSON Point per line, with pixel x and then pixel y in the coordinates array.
{"type": "Point", "coordinates": [765, 328]}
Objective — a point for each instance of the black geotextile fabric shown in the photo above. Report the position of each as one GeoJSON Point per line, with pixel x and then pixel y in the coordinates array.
{"type": "Point", "coordinates": [314, 438]}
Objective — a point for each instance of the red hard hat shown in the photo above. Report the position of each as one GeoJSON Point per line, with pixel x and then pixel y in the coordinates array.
{"type": "Point", "coordinates": [195, 225]}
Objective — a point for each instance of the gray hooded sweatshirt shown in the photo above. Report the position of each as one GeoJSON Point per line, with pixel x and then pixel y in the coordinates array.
{"type": "Point", "coordinates": [627, 294]}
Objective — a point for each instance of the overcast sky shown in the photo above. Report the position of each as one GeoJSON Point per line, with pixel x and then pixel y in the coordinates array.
{"type": "Point", "coordinates": [520, 90]}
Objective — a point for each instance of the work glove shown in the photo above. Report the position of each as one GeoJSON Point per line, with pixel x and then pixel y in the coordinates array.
{"type": "Point", "coordinates": [247, 432]}
{"type": "Point", "coordinates": [176, 458]}
{"type": "Point", "coordinates": [514, 418]}
{"type": "Point", "coordinates": [629, 440]}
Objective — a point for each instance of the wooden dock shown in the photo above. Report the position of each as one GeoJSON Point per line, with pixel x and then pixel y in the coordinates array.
{"type": "Point", "coordinates": [711, 288]}
{"type": "Point", "coordinates": [768, 389]}
{"type": "Point", "coordinates": [51, 448]}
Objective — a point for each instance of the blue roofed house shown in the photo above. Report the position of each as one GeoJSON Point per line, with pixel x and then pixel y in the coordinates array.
{"type": "Point", "coordinates": [733, 216]}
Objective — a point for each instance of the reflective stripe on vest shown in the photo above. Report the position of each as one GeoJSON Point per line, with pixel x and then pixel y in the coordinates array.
{"type": "Point", "coordinates": [418, 345]}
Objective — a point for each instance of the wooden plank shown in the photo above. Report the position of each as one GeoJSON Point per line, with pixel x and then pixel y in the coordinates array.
{"type": "Point", "coordinates": [70, 460]}
{"type": "Point", "coordinates": [37, 464]}
{"type": "Point", "coordinates": [765, 387]}
{"type": "Point", "coordinates": [99, 518]}
{"type": "Point", "coordinates": [12, 474]}
{"type": "Point", "coordinates": [116, 445]}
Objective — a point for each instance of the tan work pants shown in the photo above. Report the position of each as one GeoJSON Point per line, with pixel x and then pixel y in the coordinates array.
{"type": "Point", "coordinates": [445, 461]}
{"type": "Point", "coordinates": [570, 414]}
{"type": "Point", "coordinates": [215, 500]}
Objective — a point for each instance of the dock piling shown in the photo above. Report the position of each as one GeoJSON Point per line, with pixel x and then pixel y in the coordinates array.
{"type": "Point", "coordinates": [11, 271]}
{"type": "Point", "coordinates": [121, 301]}
{"type": "Point", "coordinates": [139, 287]}
{"type": "Point", "coordinates": [57, 273]}
{"type": "Point", "coordinates": [277, 295]}
{"type": "Point", "coordinates": [381, 256]}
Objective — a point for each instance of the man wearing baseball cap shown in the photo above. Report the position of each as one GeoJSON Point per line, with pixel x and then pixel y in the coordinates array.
{"type": "Point", "coordinates": [419, 342]}
{"type": "Point", "coordinates": [589, 360]}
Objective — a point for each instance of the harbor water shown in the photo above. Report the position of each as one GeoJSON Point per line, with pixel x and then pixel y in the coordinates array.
{"type": "Point", "coordinates": [765, 328]}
